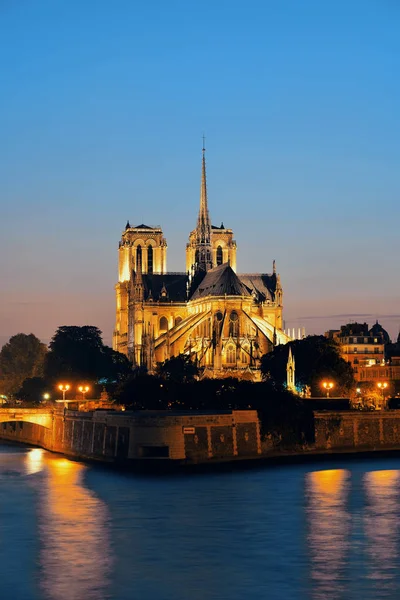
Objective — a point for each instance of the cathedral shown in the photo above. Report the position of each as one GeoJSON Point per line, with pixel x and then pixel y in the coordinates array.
{"type": "Point", "coordinates": [224, 320]}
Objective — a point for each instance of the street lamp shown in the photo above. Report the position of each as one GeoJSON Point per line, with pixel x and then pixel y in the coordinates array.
{"type": "Point", "coordinates": [328, 385]}
{"type": "Point", "coordinates": [64, 388]}
{"type": "Point", "coordinates": [46, 396]}
{"type": "Point", "coordinates": [83, 390]}
{"type": "Point", "coordinates": [382, 385]}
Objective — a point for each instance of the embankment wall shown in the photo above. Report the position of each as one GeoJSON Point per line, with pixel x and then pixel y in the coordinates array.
{"type": "Point", "coordinates": [357, 430]}
{"type": "Point", "coordinates": [124, 437]}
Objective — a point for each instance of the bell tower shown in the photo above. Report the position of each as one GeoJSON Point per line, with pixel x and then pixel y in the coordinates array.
{"type": "Point", "coordinates": [142, 249]}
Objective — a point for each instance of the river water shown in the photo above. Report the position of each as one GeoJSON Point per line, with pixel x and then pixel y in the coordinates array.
{"type": "Point", "coordinates": [69, 531]}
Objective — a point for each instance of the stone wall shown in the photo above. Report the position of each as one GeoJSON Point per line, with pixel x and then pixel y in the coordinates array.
{"type": "Point", "coordinates": [122, 436]}
{"type": "Point", "coordinates": [357, 430]}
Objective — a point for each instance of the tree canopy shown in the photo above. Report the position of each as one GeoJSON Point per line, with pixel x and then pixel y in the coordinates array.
{"type": "Point", "coordinates": [316, 358]}
{"type": "Point", "coordinates": [32, 390]}
{"type": "Point", "coordinates": [180, 369]}
{"type": "Point", "coordinates": [22, 357]}
{"type": "Point", "coordinates": [78, 353]}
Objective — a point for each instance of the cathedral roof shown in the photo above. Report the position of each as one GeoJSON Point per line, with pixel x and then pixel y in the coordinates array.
{"type": "Point", "coordinates": [260, 284]}
{"type": "Point", "coordinates": [221, 281]}
{"type": "Point", "coordinates": [143, 226]}
{"type": "Point", "coordinates": [173, 283]}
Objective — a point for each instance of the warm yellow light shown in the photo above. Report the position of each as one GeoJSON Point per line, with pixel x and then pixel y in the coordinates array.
{"type": "Point", "coordinates": [64, 387]}
{"type": "Point", "coordinates": [46, 396]}
{"type": "Point", "coordinates": [328, 385]}
{"type": "Point", "coordinates": [382, 385]}
{"type": "Point", "coordinates": [83, 388]}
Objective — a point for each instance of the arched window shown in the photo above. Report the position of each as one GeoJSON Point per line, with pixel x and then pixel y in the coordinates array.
{"type": "Point", "coordinates": [233, 324]}
{"type": "Point", "coordinates": [163, 324]}
{"type": "Point", "coordinates": [138, 256]}
{"type": "Point", "coordinates": [231, 355]}
{"type": "Point", "coordinates": [150, 259]}
{"type": "Point", "coordinates": [245, 356]}
{"type": "Point", "coordinates": [178, 320]}
{"type": "Point", "coordinates": [219, 256]}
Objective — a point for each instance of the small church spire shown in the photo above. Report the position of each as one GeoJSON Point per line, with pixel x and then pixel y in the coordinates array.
{"type": "Point", "coordinates": [203, 229]}
{"type": "Point", "coordinates": [290, 372]}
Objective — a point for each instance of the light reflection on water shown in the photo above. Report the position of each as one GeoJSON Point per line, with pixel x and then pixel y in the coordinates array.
{"type": "Point", "coordinates": [75, 557]}
{"type": "Point", "coordinates": [73, 532]}
{"type": "Point", "coordinates": [381, 521]}
{"type": "Point", "coordinates": [328, 522]}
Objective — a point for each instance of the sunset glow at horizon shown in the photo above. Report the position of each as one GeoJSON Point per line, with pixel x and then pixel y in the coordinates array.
{"type": "Point", "coordinates": [102, 118]}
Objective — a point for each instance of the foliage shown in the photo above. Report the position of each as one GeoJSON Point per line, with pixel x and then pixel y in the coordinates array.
{"type": "Point", "coordinates": [32, 390]}
{"type": "Point", "coordinates": [21, 358]}
{"type": "Point", "coordinates": [316, 358]}
{"type": "Point", "coordinates": [179, 369]}
{"type": "Point", "coordinates": [141, 391]}
{"type": "Point", "coordinates": [78, 354]}
{"type": "Point", "coordinates": [284, 417]}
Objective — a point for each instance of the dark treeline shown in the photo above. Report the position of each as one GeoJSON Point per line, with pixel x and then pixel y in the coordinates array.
{"type": "Point", "coordinates": [76, 355]}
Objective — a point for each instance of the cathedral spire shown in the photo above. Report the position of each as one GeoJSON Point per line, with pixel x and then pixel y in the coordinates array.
{"type": "Point", "coordinates": [203, 229]}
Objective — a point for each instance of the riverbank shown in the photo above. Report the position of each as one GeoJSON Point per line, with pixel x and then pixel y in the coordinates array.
{"type": "Point", "coordinates": [161, 441]}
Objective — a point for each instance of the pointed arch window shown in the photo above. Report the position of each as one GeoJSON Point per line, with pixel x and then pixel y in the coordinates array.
{"type": "Point", "coordinates": [245, 355]}
{"type": "Point", "coordinates": [234, 324]}
{"type": "Point", "coordinates": [219, 256]}
{"type": "Point", "coordinates": [163, 324]}
{"type": "Point", "coordinates": [139, 256]}
{"type": "Point", "coordinates": [231, 355]}
{"type": "Point", "coordinates": [150, 259]}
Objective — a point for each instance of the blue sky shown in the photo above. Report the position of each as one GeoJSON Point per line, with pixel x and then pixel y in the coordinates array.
{"type": "Point", "coordinates": [103, 105]}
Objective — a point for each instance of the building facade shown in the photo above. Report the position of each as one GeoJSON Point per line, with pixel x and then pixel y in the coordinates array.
{"type": "Point", "coordinates": [224, 320]}
{"type": "Point", "coordinates": [371, 354]}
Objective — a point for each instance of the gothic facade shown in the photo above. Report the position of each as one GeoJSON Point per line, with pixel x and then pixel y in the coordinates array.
{"type": "Point", "coordinates": [225, 320]}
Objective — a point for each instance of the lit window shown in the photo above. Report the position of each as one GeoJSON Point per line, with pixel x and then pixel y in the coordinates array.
{"type": "Point", "coordinates": [231, 355]}
{"type": "Point", "coordinates": [150, 259]}
{"type": "Point", "coordinates": [138, 256]}
{"type": "Point", "coordinates": [163, 324]}
{"type": "Point", "coordinates": [234, 324]}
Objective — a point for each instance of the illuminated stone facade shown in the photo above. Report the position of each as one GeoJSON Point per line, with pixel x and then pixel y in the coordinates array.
{"type": "Point", "coordinates": [225, 320]}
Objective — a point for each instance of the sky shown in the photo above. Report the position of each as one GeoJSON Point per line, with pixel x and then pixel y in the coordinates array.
{"type": "Point", "coordinates": [102, 110]}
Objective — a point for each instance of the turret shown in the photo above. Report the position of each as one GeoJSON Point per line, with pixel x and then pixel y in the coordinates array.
{"type": "Point", "coordinates": [290, 372]}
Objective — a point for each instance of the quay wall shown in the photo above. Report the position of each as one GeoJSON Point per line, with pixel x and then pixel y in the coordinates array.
{"type": "Point", "coordinates": [148, 435]}
{"type": "Point", "coordinates": [357, 430]}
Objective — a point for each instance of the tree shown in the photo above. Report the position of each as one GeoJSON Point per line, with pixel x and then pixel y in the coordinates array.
{"type": "Point", "coordinates": [78, 354]}
{"type": "Point", "coordinates": [179, 369]}
{"type": "Point", "coordinates": [22, 357]}
{"type": "Point", "coordinates": [32, 390]}
{"type": "Point", "coordinates": [316, 358]}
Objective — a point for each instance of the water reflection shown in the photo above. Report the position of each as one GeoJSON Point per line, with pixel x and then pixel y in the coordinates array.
{"type": "Point", "coordinates": [34, 461]}
{"type": "Point", "coordinates": [329, 525]}
{"type": "Point", "coordinates": [73, 527]}
{"type": "Point", "coordinates": [382, 528]}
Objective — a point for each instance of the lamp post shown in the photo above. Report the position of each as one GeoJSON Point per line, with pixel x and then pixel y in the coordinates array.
{"type": "Point", "coordinates": [328, 385]}
{"type": "Point", "coordinates": [64, 389]}
{"type": "Point", "coordinates": [83, 390]}
{"type": "Point", "coordinates": [382, 385]}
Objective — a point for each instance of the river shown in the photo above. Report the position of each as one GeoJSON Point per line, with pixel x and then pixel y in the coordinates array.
{"type": "Point", "coordinates": [70, 531]}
